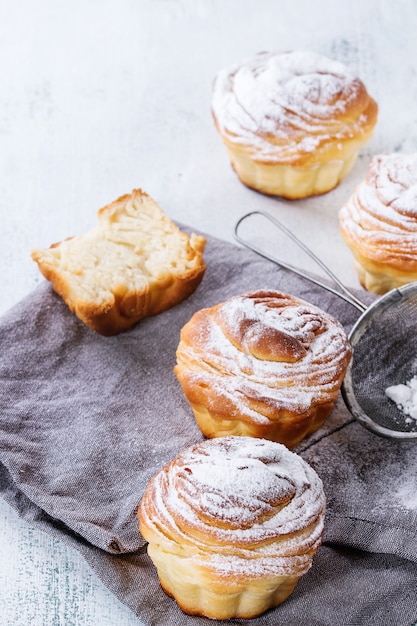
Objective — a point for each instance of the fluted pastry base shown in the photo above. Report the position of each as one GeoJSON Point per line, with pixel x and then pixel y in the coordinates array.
{"type": "Point", "coordinates": [379, 223]}
{"type": "Point", "coordinates": [380, 280]}
{"type": "Point", "coordinates": [287, 428]}
{"type": "Point", "coordinates": [206, 596]}
{"type": "Point", "coordinates": [232, 524]}
{"type": "Point", "coordinates": [292, 181]}
{"type": "Point", "coordinates": [263, 364]}
{"type": "Point", "coordinates": [292, 122]}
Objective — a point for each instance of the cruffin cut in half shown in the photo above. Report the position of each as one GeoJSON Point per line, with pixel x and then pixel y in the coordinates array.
{"type": "Point", "coordinates": [135, 263]}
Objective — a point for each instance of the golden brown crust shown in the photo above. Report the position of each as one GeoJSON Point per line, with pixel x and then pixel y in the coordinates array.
{"type": "Point", "coordinates": [263, 364]}
{"type": "Point", "coordinates": [379, 223]}
{"type": "Point", "coordinates": [135, 263]}
{"type": "Point", "coordinates": [292, 123]}
{"type": "Point", "coordinates": [232, 524]}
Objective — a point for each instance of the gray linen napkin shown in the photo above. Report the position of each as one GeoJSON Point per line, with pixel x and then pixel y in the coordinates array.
{"type": "Point", "coordinates": [85, 421]}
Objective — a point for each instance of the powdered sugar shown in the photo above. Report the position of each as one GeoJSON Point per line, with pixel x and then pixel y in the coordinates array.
{"type": "Point", "coordinates": [278, 311]}
{"type": "Point", "coordinates": [405, 397]}
{"type": "Point", "coordinates": [381, 215]}
{"type": "Point", "coordinates": [237, 501]}
{"type": "Point", "coordinates": [245, 382]}
{"type": "Point", "coordinates": [273, 101]}
{"type": "Point", "coordinates": [234, 488]}
{"type": "Point", "coordinates": [406, 495]}
{"type": "Point", "coordinates": [394, 176]}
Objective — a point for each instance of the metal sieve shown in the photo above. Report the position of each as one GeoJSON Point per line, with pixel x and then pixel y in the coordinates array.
{"type": "Point", "coordinates": [384, 344]}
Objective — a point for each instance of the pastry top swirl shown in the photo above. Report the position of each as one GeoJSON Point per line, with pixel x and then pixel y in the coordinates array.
{"type": "Point", "coordinates": [380, 218]}
{"type": "Point", "coordinates": [288, 107]}
{"type": "Point", "coordinates": [242, 503]}
{"type": "Point", "coordinates": [260, 352]}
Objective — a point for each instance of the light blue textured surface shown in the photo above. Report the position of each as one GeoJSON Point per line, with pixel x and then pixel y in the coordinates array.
{"type": "Point", "coordinates": [43, 581]}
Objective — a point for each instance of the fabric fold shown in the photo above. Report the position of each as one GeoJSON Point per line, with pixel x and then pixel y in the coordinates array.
{"type": "Point", "coordinates": [85, 421]}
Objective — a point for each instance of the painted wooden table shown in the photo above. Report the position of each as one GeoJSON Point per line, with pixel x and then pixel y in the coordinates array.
{"type": "Point", "coordinates": [99, 97]}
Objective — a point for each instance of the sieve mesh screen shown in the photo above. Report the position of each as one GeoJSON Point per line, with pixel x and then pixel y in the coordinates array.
{"type": "Point", "coordinates": [385, 354]}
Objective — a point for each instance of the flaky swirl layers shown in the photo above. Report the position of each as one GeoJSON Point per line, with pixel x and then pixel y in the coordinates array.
{"type": "Point", "coordinates": [264, 364]}
{"type": "Point", "coordinates": [379, 223]}
{"type": "Point", "coordinates": [232, 524]}
{"type": "Point", "coordinates": [292, 123]}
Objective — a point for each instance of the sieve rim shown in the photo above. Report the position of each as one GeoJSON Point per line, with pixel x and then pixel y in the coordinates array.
{"type": "Point", "coordinates": [349, 396]}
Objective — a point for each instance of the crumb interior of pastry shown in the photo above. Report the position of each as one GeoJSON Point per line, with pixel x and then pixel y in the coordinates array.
{"type": "Point", "coordinates": [126, 250]}
{"type": "Point", "coordinates": [135, 263]}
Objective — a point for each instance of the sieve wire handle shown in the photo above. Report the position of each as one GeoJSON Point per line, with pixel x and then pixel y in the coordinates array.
{"type": "Point", "coordinates": [346, 294]}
